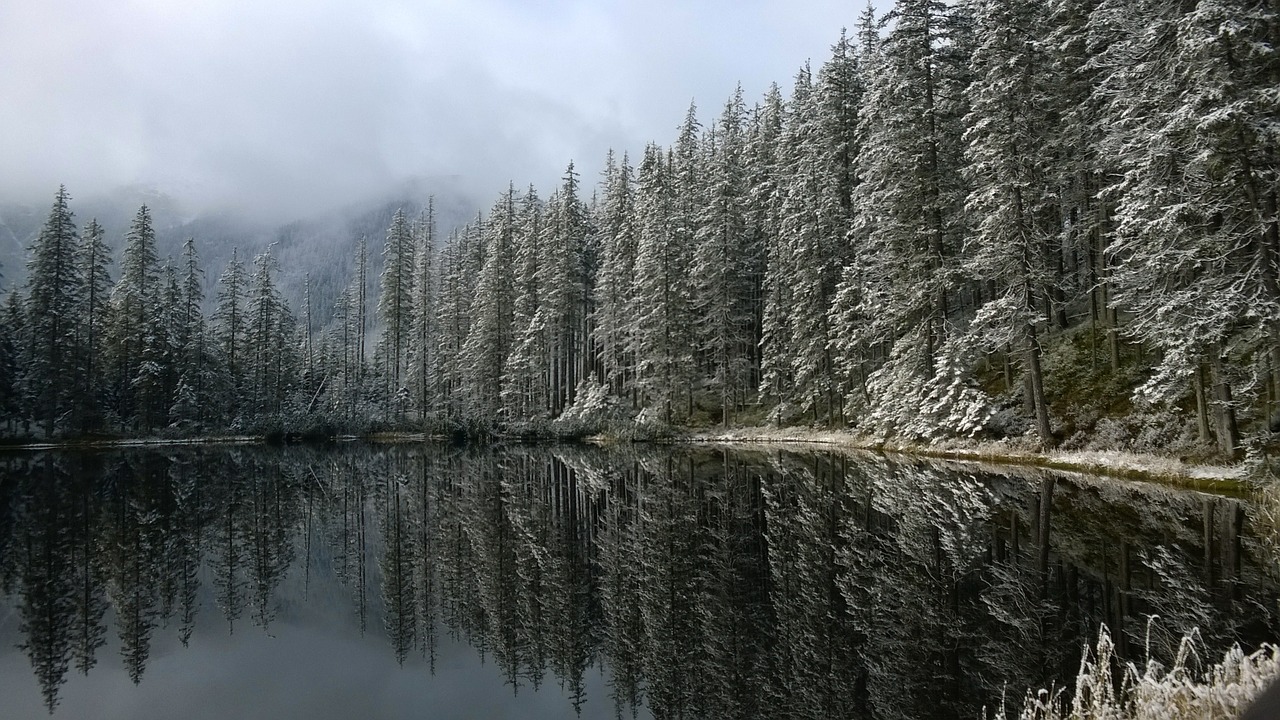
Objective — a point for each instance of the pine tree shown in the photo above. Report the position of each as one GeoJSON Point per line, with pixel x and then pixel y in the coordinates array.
{"type": "Point", "coordinates": [564, 288]}
{"type": "Point", "coordinates": [269, 341]}
{"type": "Point", "coordinates": [95, 295]}
{"type": "Point", "coordinates": [12, 331]}
{"type": "Point", "coordinates": [768, 175]}
{"type": "Point", "coordinates": [228, 333]}
{"type": "Point", "coordinates": [489, 338]}
{"type": "Point", "coordinates": [425, 358]}
{"type": "Point", "coordinates": [526, 386]}
{"type": "Point", "coordinates": [614, 324]}
{"type": "Point", "coordinates": [721, 294]}
{"type": "Point", "coordinates": [1197, 210]}
{"type": "Point", "coordinates": [135, 319]}
{"type": "Point", "coordinates": [395, 307]}
{"type": "Point", "coordinates": [53, 292]}
{"type": "Point", "coordinates": [1010, 193]}
{"type": "Point", "coordinates": [661, 290]}
{"type": "Point", "coordinates": [192, 368]}
{"type": "Point", "coordinates": [821, 145]}
{"type": "Point", "coordinates": [907, 204]}
{"type": "Point", "coordinates": [460, 265]}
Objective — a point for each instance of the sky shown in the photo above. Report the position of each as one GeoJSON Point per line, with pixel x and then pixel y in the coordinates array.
{"type": "Point", "coordinates": [292, 107]}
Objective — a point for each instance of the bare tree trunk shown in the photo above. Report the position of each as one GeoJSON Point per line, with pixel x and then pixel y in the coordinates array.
{"type": "Point", "coordinates": [1228, 430]}
{"type": "Point", "coordinates": [1202, 406]}
{"type": "Point", "coordinates": [1036, 379]}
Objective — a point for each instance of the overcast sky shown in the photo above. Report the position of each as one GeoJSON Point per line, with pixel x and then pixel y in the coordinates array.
{"type": "Point", "coordinates": [307, 104]}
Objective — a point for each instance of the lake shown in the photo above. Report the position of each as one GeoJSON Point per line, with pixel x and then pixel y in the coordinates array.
{"type": "Point", "coordinates": [398, 581]}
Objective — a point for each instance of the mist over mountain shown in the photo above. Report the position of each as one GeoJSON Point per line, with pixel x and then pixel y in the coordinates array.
{"type": "Point", "coordinates": [320, 244]}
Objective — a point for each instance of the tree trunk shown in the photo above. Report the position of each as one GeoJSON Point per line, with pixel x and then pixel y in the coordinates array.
{"type": "Point", "coordinates": [1228, 431]}
{"type": "Point", "coordinates": [1036, 378]}
{"type": "Point", "coordinates": [1202, 406]}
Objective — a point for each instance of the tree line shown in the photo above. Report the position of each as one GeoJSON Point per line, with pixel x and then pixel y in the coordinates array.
{"type": "Point", "coordinates": [968, 213]}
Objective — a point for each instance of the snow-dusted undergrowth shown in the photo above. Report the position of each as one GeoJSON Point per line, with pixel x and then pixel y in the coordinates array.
{"type": "Point", "coordinates": [1112, 462]}
{"type": "Point", "coordinates": [1220, 691]}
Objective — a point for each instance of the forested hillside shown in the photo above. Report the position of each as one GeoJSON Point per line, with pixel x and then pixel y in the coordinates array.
{"type": "Point", "coordinates": [1053, 221]}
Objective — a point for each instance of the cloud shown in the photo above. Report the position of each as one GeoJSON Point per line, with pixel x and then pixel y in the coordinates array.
{"type": "Point", "coordinates": [298, 105]}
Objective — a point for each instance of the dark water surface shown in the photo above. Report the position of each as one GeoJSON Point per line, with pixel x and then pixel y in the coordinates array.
{"type": "Point", "coordinates": [404, 581]}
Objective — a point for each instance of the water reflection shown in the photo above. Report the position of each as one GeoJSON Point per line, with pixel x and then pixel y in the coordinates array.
{"type": "Point", "coordinates": [707, 583]}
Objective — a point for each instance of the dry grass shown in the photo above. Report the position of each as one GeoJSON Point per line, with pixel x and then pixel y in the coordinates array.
{"type": "Point", "coordinates": [1220, 691]}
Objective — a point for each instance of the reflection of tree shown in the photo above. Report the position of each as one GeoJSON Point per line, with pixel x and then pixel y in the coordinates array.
{"type": "Point", "coordinates": [710, 583]}
{"type": "Point", "coordinates": [184, 548]}
{"type": "Point", "coordinates": [426, 609]}
{"type": "Point", "coordinates": [135, 537]}
{"type": "Point", "coordinates": [813, 628]}
{"type": "Point", "coordinates": [621, 552]}
{"type": "Point", "coordinates": [396, 562]}
{"type": "Point", "coordinates": [228, 541]}
{"type": "Point", "coordinates": [89, 630]}
{"type": "Point", "coordinates": [47, 596]}
{"type": "Point", "coordinates": [272, 512]}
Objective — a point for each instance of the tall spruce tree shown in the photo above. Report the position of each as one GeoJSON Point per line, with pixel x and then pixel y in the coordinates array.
{"type": "Point", "coordinates": [615, 326]}
{"type": "Point", "coordinates": [95, 294]}
{"type": "Point", "coordinates": [395, 306]}
{"type": "Point", "coordinates": [489, 339]}
{"type": "Point", "coordinates": [1010, 192]}
{"type": "Point", "coordinates": [663, 338]}
{"type": "Point", "coordinates": [908, 218]}
{"type": "Point", "coordinates": [135, 322]}
{"type": "Point", "coordinates": [53, 293]}
{"type": "Point", "coordinates": [721, 292]}
{"type": "Point", "coordinates": [228, 333]}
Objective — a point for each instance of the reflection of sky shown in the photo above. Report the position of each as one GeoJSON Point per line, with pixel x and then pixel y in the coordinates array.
{"type": "Point", "coordinates": [307, 671]}
{"type": "Point", "coordinates": [311, 663]}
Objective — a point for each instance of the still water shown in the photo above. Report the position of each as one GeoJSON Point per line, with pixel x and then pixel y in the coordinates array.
{"type": "Point", "coordinates": [406, 581]}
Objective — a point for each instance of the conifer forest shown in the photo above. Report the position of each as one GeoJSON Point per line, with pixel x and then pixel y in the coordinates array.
{"type": "Point", "coordinates": [1047, 221]}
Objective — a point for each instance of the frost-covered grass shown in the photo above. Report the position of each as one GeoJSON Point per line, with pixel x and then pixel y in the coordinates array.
{"type": "Point", "coordinates": [1154, 692]}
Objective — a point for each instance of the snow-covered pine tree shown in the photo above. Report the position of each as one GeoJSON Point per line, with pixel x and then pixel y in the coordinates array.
{"type": "Point", "coordinates": [663, 336]}
{"type": "Point", "coordinates": [489, 339]}
{"type": "Point", "coordinates": [53, 295]}
{"type": "Point", "coordinates": [1077, 164]}
{"type": "Point", "coordinates": [526, 390]}
{"type": "Point", "coordinates": [817, 213]}
{"type": "Point", "coordinates": [460, 264]}
{"type": "Point", "coordinates": [12, 329]}
{"type": "Point", "coordinates": [768, 173]}
{"type": "Point", "coordinates": [779, 340]}
{"type": "Point", "coordinates": [614, 300]}
{"type": "Point", "coordinates": [1197, 228]}
{"type": "Point", "coordinates": [135, 316]}
{"type": "Point", "coordinates": [721, 291]}
{"type": "Point", "coordinates": [1010, 191]}
{"type": "Point", "coordinates": [424, 359]}
{"type": "Point", "coordinates": [908, 218]}
{"type": "Point", "coordinates": [95, 294]}
{"type": "Point", "coordinates": [851, 352]}
{"type": "Point", "coordinates": [193, 364]}
{"type": "Point", "coordinates": [564, 290]}
{"type": "Point", "coordinates": [395, 304]}
{"type": "Point", "coordinates": [269, 342]}
{"type": "Point", "coordinates": [228, 334]}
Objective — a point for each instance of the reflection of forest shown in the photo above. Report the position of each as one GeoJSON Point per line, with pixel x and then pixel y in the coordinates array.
{"type": "Point", "coordinates": [711, 584]}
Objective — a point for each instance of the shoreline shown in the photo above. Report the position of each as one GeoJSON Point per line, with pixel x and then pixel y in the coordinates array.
{"type": "Point", "coordinates": [1143, 467]}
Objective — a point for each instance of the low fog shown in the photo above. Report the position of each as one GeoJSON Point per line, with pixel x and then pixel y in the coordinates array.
{"type": "Point", "coordinates": [289, 108]}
